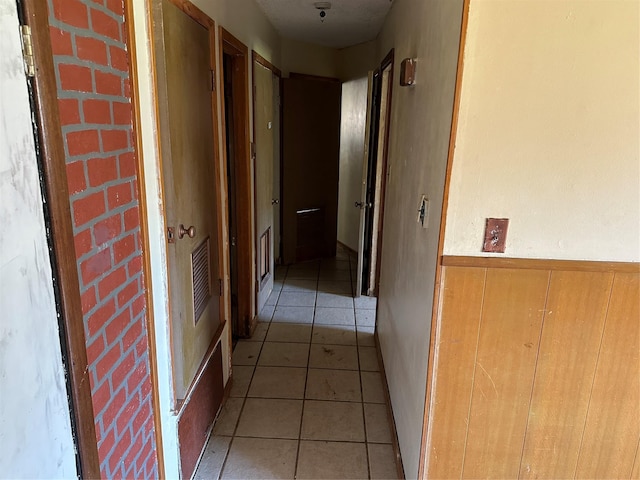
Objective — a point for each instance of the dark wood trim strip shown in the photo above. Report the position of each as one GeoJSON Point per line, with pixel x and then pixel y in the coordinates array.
{"type": "Point", "coordinates": [203, 366]}
{"type": "Point", "coordinates": [540, 264]}
{"type": "Point", "coordinates": [231, 45]}
{"type": "Point", "coordinates": [387, 397]}
{"type": "Point", "coordinates": [144, 235]}
{"type": "Point", "coordinates": [259, 59]}
{"type": "Point", "coordinates": [387, 60]}
{"type": "Point", "coordinates": [243, 191]}
{"type": "Point", "coordinates": [194, 12]}
{"type": "Point", "coordinates": [57, 193]}
{"type": "Point", "coordinates": [317, 78]}
{"type": "Point", "coordinates": [435, 309]}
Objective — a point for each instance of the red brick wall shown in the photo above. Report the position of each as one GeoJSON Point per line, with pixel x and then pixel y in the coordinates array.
{"type": "Point", "coordinates": [92, 70]}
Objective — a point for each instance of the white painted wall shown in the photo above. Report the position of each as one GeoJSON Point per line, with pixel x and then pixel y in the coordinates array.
{"type": "Point", "coordinates": [548, 133]}
{"type": "Point", "coordinates": [356, 61]}
{"type": "Point", "coordinates": [419, 139]}
{"type": "Point", "coordinates": [35, 426]}
{"type": "Point", "coordinates": [352, 147]}
{"type": "Point", "coordinates": [301, 57]}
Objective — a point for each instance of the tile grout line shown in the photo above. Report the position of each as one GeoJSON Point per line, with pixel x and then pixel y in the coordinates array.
{"type": "Point", "coordinates": [246, 394]}
{"type": "Point", "coordinates": [364, 418]}
{"type": "Point", "coordinates": [306, 380]}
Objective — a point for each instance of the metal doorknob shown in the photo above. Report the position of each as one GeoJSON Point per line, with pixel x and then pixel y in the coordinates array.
{"type": "Point", "coordinates": [275, 201]}
{"type": "Point", "coordinates": [359, 204]}
{"type": "Point", "coordinates": [190, 232]}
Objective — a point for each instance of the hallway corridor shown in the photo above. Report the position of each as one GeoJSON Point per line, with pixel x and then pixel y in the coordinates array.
{"type": "Point", "coordinates": [307, 399]}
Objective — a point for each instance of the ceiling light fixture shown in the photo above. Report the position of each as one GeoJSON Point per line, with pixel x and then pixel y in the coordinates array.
{"type": "Point", "coordinates": [323, 7]}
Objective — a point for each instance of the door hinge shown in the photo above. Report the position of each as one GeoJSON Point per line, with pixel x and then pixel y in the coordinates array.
{"type": "Point", "coordinates": [27, 51]}
{"type": "Point", "coordinates": [221, 287]}
{"type": "Point", "coordinates": [213, 81]}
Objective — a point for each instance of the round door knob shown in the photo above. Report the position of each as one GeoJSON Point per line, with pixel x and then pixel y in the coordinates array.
{"type": "Point", "coordinates": [359, 204]}
{"type": "Point", "coordinates": [190, 232]}
{"type": "Point", "coordinates": [275, 201]}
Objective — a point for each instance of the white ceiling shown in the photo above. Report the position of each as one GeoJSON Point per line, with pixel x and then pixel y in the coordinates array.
{"type": "Point", "coordinates": [347, 23]}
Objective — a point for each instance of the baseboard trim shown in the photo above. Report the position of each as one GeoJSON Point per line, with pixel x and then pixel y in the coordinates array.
{"type": "Point", "coordinates": [540, 264]}
{"type": "Point", "coordinates": [387, 395]}
{"type": "Point", "coordinates": [347, 248]}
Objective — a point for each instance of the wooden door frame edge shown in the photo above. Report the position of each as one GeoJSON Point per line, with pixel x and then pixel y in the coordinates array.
{"type": "Point", "coordinates": [144, 235]}
{"type": "Point", "coordinates": [435, 308]}
{"type": "Point", "coordinates": [388, 61]}
{"type": "Point", "coordinates": [65, 263]}
{"type": "Point", "coordinates": [260, 60]}
{"type": "Point", "coordinates": [231, 45]}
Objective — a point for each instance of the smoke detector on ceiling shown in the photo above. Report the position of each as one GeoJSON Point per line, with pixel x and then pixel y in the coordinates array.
{"type": "Point", "coordinates": [322, 6]}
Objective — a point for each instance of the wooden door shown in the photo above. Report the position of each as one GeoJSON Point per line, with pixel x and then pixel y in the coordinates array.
{"type": "Point", "coordinates": [191, 193]}
{"type": "Point", "coordinates": [264, 138]}
{"type": "Point", "coordinates": [311, 151]}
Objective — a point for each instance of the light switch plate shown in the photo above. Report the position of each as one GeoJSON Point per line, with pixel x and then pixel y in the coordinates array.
{"type": "Point", "coordinates": [423, 212]}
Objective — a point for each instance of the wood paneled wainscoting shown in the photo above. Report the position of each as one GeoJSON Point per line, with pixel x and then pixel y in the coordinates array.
{"type": "Point", "coordinates": [537, 370]}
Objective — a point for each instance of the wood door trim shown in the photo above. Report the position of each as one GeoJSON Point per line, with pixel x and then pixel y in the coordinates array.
{"type": "Point", "coordinates": [144, 234]}
{"type": "Point", "coordinates": [540, 264]}
{"type": "Point", "coordinates": [317, 78]}
{"type": "Point", "coordinates": [246, 292]}
{"type": "Point", "coordinates": [65, 263]}
{"type": "Point", "coordinates": [386, 63]}
{"type": "Point", "coordinates": [195, 13]}
{"type": "Point", "coordinates": [385, 387]}
{"type": "Point", "coordinates": [265, 63]}
{"type": "Point", "coordinates": [435, 309]}
{"type": "Point", "coordinates": [217, 336]}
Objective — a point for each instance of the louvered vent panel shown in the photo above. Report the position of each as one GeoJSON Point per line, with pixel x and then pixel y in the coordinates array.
{"type": "Point", "coordinates": [201, 278]}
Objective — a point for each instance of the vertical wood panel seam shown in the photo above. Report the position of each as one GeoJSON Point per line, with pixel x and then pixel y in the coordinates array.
{"type": "Point", "coordinates": [436, 358]}
{"type": "Point", "coordinates": [635, 459]}
{"type": "Point", "coordinates": [535, 368]}
{"type": "Point", "coordinates": [473, 376]}
{"type": "Point", "coordinates": [595, 372]}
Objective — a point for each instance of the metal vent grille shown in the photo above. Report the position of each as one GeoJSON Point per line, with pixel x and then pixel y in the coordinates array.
{"type": "Point", "coordinates": [201, 279]}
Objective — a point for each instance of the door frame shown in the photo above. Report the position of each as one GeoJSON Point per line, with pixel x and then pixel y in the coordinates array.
{"type": "Point", "coordinates": [230, 45]}
{"type": "Point", "coordinates": [259, 59]}
{"type": "Point", "coordinates": [387, 63]}
{"type": "Point", "coordinates": [44, 96]}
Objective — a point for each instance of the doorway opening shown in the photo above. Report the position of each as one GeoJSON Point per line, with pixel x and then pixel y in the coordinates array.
{"type": "Point", "coordinates": [234, 57]}
{"type": "Point", "coordinates": [375, 178]}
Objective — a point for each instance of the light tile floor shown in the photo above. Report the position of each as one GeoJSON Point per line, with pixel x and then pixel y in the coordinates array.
{"type": "Point", "coordinates": [307, 398]}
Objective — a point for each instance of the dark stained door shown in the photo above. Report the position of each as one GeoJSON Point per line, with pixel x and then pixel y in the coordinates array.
{"type": "Point", "coordinates": [311, 155]}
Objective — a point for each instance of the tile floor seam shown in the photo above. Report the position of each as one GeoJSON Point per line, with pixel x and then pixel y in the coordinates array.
{"type": "Point", "coordinates": [304, 392]}
{"type": "Point", "coordinates": [364, 419]}
{"type": "Point", "coordinates": [244, 402]}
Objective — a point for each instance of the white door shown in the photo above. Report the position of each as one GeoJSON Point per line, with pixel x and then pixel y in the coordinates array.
{"type": "Point", "coordinates": [363, 194]}
{"type": "Point", "coordinates": [266, 198]}
{"type": "Point", "coordinates": [35, 425]}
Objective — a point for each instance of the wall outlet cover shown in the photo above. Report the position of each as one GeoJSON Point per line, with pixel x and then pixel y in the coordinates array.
{"type": "Point", "coordinates": [495, 235]}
